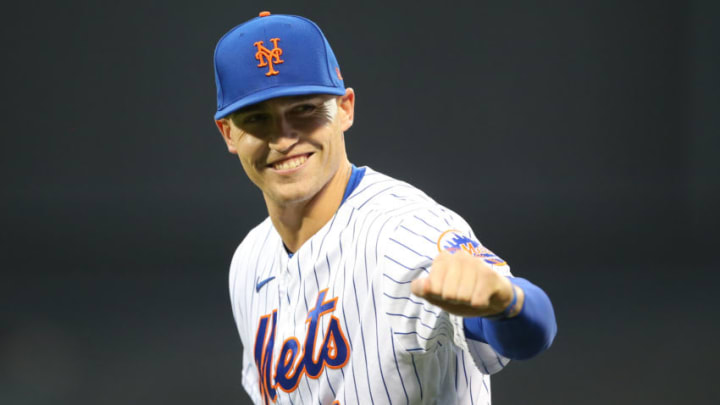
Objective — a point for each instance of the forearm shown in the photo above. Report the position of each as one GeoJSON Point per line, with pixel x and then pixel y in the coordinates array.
{"type": "Point", "coordinates": [524, 335]}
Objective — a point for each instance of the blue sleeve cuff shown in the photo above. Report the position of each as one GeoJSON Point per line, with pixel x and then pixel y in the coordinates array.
{"type": "Point", "coordinates": [523, 336]}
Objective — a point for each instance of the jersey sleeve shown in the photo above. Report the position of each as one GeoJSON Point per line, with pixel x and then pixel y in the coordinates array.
{"type": "Point", "coordinates": [235, 285]}
{"type": "Point", "coordinates": [250, 380]}
{"type": "Point", "coordinates": [409, 249]}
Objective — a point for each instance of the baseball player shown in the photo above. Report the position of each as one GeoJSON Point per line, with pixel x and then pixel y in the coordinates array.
{"type": "Point", "coordinates": [358, 288]}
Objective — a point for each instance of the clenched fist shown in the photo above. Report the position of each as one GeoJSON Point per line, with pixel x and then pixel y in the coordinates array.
{"type": "Point", "coordinates": [465, 285]}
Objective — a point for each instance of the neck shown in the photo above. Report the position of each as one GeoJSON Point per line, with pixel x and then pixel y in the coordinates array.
{"type": "Point", "coordinates": [298, 222]}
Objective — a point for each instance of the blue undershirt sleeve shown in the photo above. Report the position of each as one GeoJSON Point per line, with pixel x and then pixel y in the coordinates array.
{"type": "Point", "coordinates": [524, 335]}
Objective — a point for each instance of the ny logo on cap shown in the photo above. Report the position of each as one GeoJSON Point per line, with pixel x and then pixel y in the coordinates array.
{"type": "Point", "coordinates": [268, 56]}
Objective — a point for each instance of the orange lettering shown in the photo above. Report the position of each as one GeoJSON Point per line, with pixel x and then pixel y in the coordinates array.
{"type": "Point", "coordinates": [268, 57]}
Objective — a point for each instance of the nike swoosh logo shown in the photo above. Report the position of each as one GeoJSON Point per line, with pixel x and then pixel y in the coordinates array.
{"type": "Point", "coordinates": [260, 284]}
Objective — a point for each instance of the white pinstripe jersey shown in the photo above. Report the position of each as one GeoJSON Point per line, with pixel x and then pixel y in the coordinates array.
{"type": "Point", "coordinates": [337, 322]}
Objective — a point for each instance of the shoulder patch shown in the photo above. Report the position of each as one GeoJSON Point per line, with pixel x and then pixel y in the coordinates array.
{"type": "Point", "coordinates": [453, 240]}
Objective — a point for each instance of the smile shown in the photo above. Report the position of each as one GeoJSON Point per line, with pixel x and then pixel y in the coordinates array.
{"type": "Point", "coordinates": [291, 163]}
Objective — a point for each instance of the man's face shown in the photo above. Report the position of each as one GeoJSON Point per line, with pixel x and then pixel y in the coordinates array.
{"type": "Point", "coordinates": [290, 147]}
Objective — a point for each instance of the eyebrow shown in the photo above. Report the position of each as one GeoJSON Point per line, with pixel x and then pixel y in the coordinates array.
{"type": "Point", "coordinates": [290, 99]}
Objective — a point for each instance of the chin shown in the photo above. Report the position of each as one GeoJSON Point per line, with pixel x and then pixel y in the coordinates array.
{"type": "Point", "coordinates": [293, 195]}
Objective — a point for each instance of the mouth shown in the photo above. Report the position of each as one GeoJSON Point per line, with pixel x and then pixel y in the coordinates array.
{"type": "Point", "coordinates": [289, 164]}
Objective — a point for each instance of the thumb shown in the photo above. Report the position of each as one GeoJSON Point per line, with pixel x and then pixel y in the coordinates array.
{"type": "Point", "coordinates": [417, 286]}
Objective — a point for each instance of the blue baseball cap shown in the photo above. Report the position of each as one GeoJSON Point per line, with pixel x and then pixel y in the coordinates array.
{"type": "Point", "coordinates": [273, 56]}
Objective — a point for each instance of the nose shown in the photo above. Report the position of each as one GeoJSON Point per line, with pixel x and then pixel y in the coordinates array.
{"type": "Point", "coordinates": [284, 136]}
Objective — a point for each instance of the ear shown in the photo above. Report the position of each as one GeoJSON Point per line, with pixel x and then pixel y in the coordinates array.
{"type": "Point", "coordinates": [346, 104]}
{"type": "Point", "coordinates": [225, 127]}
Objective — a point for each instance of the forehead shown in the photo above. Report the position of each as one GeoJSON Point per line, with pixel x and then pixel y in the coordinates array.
{"type": "Point", "coordinates": [280, 102]}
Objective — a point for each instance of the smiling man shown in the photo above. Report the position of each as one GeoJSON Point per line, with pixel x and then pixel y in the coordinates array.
{"type": "Point", "coordinates": [357, 288]}
{"type": "Point", "coordinates": [292, 148]}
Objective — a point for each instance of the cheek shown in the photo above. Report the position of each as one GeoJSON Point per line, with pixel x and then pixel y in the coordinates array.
{"type": "Point", "coordinates": [336, 147]}
{"type": "Point", "coordinates": [250, 150]}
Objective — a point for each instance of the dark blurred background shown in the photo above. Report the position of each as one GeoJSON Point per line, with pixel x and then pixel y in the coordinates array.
{"type": "Point", "coordinates": [579, 139]}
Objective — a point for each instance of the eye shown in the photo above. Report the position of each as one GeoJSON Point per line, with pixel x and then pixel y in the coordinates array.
{"type": "Point", "coordinates": [256, 118]}
{"type": "Point", "coordinates": [304, 109]}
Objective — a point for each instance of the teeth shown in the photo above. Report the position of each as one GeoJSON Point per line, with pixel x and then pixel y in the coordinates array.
{"type": "Point", "coordinates": [290, 163]}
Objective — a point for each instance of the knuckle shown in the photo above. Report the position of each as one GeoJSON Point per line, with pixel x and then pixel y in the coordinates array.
{"type": "Point", "coordinates": [439, 272]}
{"type": "Point", "coordinates": [442, 257]}
{"type": "Point", "coordinates": [435, 288]}
{"type": "Point", "coordinates": [466, 259]}
{"type": "Point", "coordinates": [449, 296]}
{"type": "Point", "coordinates": [480, 301]}
{"type": "Point", "coordinates": [463, 298]}
{"type": "Point", "coordinates": [437, 268]}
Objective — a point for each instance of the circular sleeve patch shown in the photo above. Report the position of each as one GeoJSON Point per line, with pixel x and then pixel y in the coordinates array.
{"type": "Point", "coordinates": [453, 241]}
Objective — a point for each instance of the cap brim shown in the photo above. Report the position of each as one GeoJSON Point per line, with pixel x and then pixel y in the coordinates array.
{"type": "Point", "coordinates": [274, 92]}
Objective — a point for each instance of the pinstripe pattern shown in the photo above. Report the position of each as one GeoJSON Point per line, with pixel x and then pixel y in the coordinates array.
{"type": "Point", "coordinates": [402, 350]}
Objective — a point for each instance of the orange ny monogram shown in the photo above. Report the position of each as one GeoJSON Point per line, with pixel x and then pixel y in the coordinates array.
{"type": "Point", "coordinates": [268, 56]}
